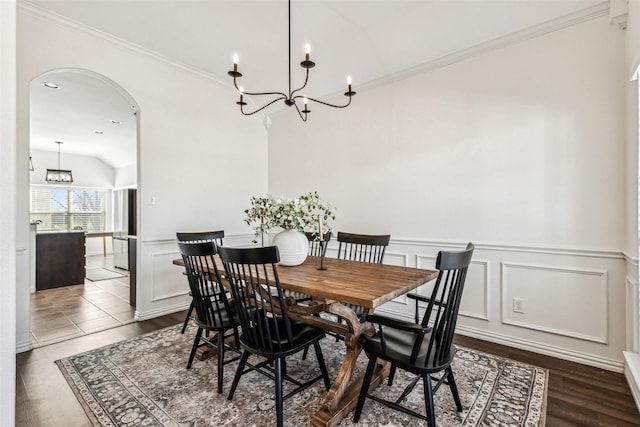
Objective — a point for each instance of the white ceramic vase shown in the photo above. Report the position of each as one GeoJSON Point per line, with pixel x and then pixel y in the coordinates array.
{"type": "Point", "coordinates": [293, 247]}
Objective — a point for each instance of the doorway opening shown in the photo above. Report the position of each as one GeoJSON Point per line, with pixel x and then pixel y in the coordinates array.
{"type": "Point", "coordinates": [83, 122]}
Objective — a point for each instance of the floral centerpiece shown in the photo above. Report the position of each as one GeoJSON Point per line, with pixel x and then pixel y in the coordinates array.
{"type": "Point", "coordinates": [305, 213]}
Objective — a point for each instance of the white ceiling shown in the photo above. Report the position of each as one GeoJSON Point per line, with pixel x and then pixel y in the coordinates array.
{"type": "Point", "coordinates": [84, 104]}
{"type": "Point", "coordinates": [367, 39]}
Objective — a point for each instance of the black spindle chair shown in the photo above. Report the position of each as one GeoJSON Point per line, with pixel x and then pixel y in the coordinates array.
{"type": "Point", "coordinates": [422, 348]}
{"type": "Point", "coordinates": [203, 236]}
{"type": "Point", "coordinates": [362, 247]}
{"type": "Point", "coordinates": [365, 248]}
{"type": "Point", "coordinates": [214, 312]}
{"type": "Point", "coordinates": [318, 247]}
{"type": "Point", "coordinates": [267, 330]}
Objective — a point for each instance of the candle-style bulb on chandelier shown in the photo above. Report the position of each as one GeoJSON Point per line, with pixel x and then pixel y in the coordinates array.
{"type": "Point", "coordinates": [292, 95]}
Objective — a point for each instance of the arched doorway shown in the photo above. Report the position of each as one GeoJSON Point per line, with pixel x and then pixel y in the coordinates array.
{"type": "Point", "coordinates": [97, 122]}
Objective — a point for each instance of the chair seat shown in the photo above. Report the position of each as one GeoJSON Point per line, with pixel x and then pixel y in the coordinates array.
{"type": "Point", "coordinates": [302, 333]}
{"type": "Point", "coordinates": [224, 320]}
{"type": "Point", "coordinates": [397, 342]}
{"type": "Point", "coordinates": [421, 347]}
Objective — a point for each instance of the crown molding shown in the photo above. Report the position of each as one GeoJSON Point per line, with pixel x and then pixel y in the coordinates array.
{"type": "Point", "coordinates": [599, 10]}
{"type": "Point", "coordinates": [619, 13]}
{"type": "Point", "coordinates": [593, 12]}
{"type": "Point", "coordinates": [39, 12]}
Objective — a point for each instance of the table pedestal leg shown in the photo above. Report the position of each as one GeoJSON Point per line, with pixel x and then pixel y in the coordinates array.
{"type": "Point", "coordinates": [342, 397]}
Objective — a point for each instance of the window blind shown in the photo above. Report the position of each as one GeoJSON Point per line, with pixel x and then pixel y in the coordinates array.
{"type": "Point", "coordinates": [68, 209]}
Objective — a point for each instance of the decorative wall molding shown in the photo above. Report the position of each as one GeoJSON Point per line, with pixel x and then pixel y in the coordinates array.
{"type": "Point", "coordinates": [528, 345]}
{"type": "Point", "coordinates": [486, 293]}
{"type": "Point", "coordinates": [39, 12]}
{"type": "Point", "coordinates": [21, 347]}
{"type": "Point", "coordinates": [543, 348]}
{"type": "Point", "coordinates": [151, 314]}
{"type": "Point", "coordinates": [632, 374]}
{"type": "Point", "coordinates": [594, 12]}
{"type": "Point", "coordinates": [155, 293]}
{"type": "Point", "coordinates": [403, 256]}
{"type": "Point", "coordinates": [558, 331]}
{"type": "Point", "coordinates": [454, 245]}
{"type": "Point", "coordinates": [632, 313]}
{"type": "Point", "coordinates": [633, 260]}
{"type": "Point", "coordinates": [420, 257]}
{"type": "Point", "coordinates": [484, 315]}
{"type": "Point", "coordinates": [163, 240]}
{"type": "Point", "coordinates": [422, 253]}
{"type": "Point", "coordinates": [619, 13]}
{"type": "Point", "coordinates": [508, 247]}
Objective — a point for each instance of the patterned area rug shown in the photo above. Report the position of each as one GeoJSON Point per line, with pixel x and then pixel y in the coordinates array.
{"type": "Point", "coordinates": [143, 381]}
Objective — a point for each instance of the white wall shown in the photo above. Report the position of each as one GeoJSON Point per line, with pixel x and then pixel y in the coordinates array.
{"type": "Point", "coordinates": [632, 62]}
{"type": "Point", "coordinates": [199, 160]}
{"type": "Point", "coordinates": [126, 176]}
{"type": "Point", "coordinates": [520, 150]}
{"type": "Point", "coordinates": [8, 253]}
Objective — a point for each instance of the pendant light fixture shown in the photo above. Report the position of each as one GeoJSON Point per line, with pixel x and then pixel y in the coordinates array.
{"type": "Point", "coordinates": [291, 96]}
{"type": "Point", "coordinates": [59, 175]}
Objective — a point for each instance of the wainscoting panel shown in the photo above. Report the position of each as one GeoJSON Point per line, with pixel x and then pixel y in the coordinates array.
{"type": "Point", "coordinates": [575, 302]}
{"type": "Point", "coordinates": [565, 301]}
{"type": "Point", "coordinates": [475, 299]}
{"type": "Point", "coordinates": [162, 288]}
{"type": "Point", "coordinates": [168, 280]}
{"type": "Point", "coordinates": [396, 258]}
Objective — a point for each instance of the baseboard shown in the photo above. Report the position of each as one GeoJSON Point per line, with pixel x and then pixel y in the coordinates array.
{"type": "Point", "coordinates": [546, 349]}
{"type": "Point", "coordinates": [532, 346]}
{"type": "Point", "coordinates": [24, 346]}
{"type": "Point", "coordinates": [151, 314]}
{"type": "Point", "coordinates": [98, 253]}
{"type": "Point", "coordinates": [632, 374]}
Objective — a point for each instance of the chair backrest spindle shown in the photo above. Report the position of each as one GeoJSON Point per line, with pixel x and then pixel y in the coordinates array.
{"type": "Point", "coordinates": [362, 247]}
{"type": "Point", "coordinates": [209, 299]}
{"type": "Point", "coordinates": [442, 309]}
{"type": "Point", "coordinates": [259, 299]}
{"type": "Point", "coordinates": [201, 236]}
{"type": "Point", "coordinates": [316, 246]}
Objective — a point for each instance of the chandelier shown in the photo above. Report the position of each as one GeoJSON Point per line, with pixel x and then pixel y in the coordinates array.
{"type": "Point", "coordinates": [291, 96]}
{"type": "Point", "coordinates": [59, 175]}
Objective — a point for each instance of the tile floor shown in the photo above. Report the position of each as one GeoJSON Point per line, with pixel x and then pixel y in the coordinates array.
{"type": "Point", "coordinates": [72, 311]}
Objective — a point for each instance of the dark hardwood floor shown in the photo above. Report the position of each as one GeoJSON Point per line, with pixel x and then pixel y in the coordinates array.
{"type": "Point", "coordinates": [578, 395]}
{"type": "Point", "coordinates": [43, 398]}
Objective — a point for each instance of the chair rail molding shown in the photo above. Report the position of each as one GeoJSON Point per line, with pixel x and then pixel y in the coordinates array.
{"type": "Point", "coordinates": [512, 247]}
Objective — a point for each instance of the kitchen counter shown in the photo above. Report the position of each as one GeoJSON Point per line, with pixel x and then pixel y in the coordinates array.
{"type": "Point", "coordinates": [60, 258]}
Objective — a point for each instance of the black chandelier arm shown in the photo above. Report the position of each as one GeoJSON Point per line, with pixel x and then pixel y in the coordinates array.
{"type": "Point", "coordinates": [291, 96]}
{"type": "Point", "coordinates": [280, 94]}
{"type": "Point", "coordinates": [306, 79]}
{"type": "Point", "coordinates": [244, 92]}
{"type": "Point", "coordinates": [304, 118]}
{"type": "Point", "coordinates": [264, 106]}
{"type": "Point", "coordinates": [326, 103]}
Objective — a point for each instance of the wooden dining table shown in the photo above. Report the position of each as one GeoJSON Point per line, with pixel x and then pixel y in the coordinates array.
{"type": "Point", "coordinates": [345, 282]}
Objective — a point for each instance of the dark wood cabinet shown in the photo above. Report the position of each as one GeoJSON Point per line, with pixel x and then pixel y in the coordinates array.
{"type": "Point", "coordinates": [60, 259]}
